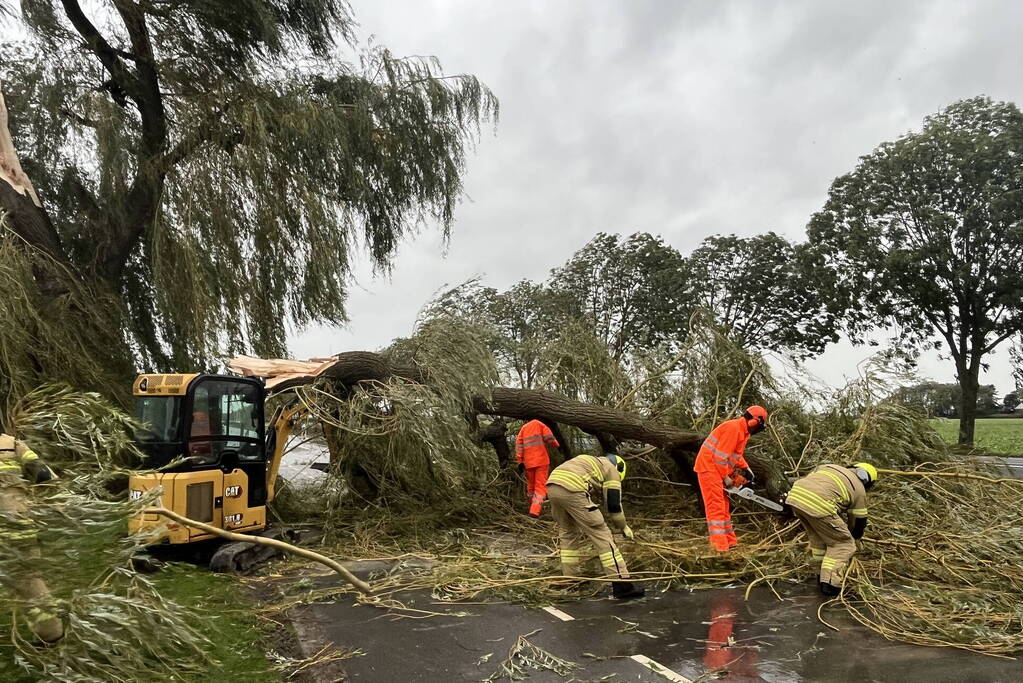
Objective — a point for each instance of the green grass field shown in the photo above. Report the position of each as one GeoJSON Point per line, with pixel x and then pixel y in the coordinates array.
{"type": "Point", "coordinates": [998, 435]}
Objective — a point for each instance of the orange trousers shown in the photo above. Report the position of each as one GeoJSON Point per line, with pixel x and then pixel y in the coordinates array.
{"type": "Point", "coordinates": [536, 488]}
{"type": "Point", "coordinates": [718, 511]}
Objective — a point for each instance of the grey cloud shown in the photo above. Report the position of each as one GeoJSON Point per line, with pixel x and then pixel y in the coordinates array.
{"type": "Point", "coordinates": [683, 119]}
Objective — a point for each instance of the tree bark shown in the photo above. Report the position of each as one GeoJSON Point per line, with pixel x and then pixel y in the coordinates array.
{"type": "Point", "coordinates": [26, 216]}
{"type": "Point", "coordinates": [969, 384]}
{"type": "Point", "coordinates": [496, 434]}
{"type": "Point", "coordinates": [530, 403]}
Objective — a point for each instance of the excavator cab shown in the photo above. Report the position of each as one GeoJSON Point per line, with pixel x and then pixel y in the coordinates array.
{"type": "Point", "coordinates": [205, 443]}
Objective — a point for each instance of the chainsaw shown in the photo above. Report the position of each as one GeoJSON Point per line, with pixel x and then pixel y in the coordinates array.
{"type": "Point", "coordinates": [748, 494]}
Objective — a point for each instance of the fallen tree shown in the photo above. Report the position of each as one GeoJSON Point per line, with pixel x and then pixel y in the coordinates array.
{"type": "Point", "coordinates": [345, 373]}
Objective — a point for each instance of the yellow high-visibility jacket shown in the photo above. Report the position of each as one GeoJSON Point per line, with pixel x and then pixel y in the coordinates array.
{"type": "Point", "coordinates": [829, 490]}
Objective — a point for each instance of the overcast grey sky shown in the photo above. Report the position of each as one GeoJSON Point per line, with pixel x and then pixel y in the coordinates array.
{"type": "Point", "coordinates": [683, 119]}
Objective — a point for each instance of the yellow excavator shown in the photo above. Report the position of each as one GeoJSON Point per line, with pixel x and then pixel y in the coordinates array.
{"type": "Point", "coordinates": [215, 455]}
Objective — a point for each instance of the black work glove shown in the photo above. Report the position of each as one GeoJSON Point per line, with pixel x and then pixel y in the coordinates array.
{"type": "Point", "coordinates": [859, 526]}
{"type": "Point", "coordinates": [522, 467]}
{"type": "Point", "coordinates": [748, 475]}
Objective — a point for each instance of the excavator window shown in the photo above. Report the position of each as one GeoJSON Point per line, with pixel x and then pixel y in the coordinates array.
{"type": "Point", "coordinates": [160, 416]}
{"type": "Point", "coordinates": [225, 422]}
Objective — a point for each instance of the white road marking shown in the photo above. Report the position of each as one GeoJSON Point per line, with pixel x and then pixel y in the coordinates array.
{"type": "Point", "coordinates": [658, 669]}
{"type": "Point", "coordinates": [558, 613]}
{"type": "Point", "coordinates": [640, 659]}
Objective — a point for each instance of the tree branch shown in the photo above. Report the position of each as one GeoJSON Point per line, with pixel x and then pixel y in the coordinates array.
{"type": "Point", "coordinates": [108, 56]}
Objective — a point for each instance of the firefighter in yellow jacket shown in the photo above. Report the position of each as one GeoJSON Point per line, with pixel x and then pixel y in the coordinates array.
{"type": "Point", "coordinates": [580, 522]}
{"type": "Point", "coordinates": [19, 465]}
{"type": "Point", "coordinates": [831, 503]}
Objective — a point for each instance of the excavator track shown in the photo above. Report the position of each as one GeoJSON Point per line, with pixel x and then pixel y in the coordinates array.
{"type": "Point", "coordinates": [239, 557]}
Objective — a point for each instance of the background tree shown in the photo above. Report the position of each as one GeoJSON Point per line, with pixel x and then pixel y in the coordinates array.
{"type": "Point", "coordinates": [926, 235]}
{"type": "Point", "coordinates": [757, 289]}
{"type": "Point", "coordinates": [631, 291]}
{"type": "Point", "coordinates": [939, 399]}
{"type": "Point", "coordinates": [207, 168]}
{"type": "Point", "coordinates": [523, 321]}
{"type": "Point", "coordinates": [1010, 402]}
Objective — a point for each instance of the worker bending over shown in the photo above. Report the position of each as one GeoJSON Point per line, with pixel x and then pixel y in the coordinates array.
{"type": "Point", "coordinates": [721, 465]}
{"type": "Point", "coordinates": [19, 465]}
{"type": "Point", "coordinates": [831, 503]}
{"type": "Point", "coordinates": [531, 454]}
{"type": "Point", "coordinates": [580, 522]}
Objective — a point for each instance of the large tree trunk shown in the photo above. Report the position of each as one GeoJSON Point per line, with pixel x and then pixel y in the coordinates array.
{"type": "Point", "coordinates": [526, 404]}
{"type": "Point", "coordinates": [348, 369]}
{"type": "Point", "coordinates": [25, 214]}
{"type": "Point", "coordinates": [969, 384]}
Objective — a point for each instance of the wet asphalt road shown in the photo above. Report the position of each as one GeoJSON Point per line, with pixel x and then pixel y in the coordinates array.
{"type": "Point", "coordinates": [700, 635]}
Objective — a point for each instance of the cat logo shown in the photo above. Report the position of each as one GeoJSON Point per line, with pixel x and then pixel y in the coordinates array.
{"type": "Point", "coordinates": [233, 520]}
{"type": "Point", "coordinates": [233, 491]}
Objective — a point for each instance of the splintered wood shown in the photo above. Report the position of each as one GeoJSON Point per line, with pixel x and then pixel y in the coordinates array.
{"type": "Point", "coordinates": [10, 166]}
{"type": "Point", "coordinates": [278, 370]}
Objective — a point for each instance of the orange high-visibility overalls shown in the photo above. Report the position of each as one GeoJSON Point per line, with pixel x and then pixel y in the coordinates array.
{"type": "Point", "coordinates": [531, 451]}
{"type": "Point", "coordinates": [719, 456]}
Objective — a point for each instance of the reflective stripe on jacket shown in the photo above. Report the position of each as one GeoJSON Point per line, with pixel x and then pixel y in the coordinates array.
{"type": "Point", "coordinates": [532, 442]}
{"type": "Point", "coordinates": [18, 460]}
{"type": "Point", "coordinates": [829, 490]}
{"type": "Point", "coordinates": [18, 467]}
{"type": "Point", "coordinates": [722, 451]}
{"type": "Point", "coordinates": [586, 473]}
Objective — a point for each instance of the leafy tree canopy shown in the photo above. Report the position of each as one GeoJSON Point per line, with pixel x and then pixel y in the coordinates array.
{"type": "Point", "coordinates": [215, 165]}
{"type": "Point", "coordinates": [631, 290]}
{"type": "Point", "coordinates": [762, 292]}
{"type": "Point", "coordinates": [926, 236]}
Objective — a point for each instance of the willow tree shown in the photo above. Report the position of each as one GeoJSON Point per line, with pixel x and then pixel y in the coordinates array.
{"type": "Point", "coordinates": [208, 169]}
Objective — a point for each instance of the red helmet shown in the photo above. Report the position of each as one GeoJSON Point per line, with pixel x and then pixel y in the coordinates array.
{"type": "Point", "coordinates": [756, 418]}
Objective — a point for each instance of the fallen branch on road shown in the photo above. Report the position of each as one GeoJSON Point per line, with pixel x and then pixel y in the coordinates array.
{"type": "Point", "coordinates": [272, 542]}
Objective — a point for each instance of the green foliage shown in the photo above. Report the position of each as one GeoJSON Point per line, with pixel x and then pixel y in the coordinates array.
{"type": "Point", "coordinates": [762, 292]}
{"type": "Point", "coordinates": [937, 399]}
{"type": "Point", "coordinates": [66, 426]}
{"type": "Point", "coordinates": [213, 166]}
{"type": "Point", "coordinates": [926, 235]}
{"type": "Point", "coordinates": [711, 378]}
{"type": "Point", "coordinates": [406, 443]}
{"type": "Point", "coordinates": [521, 322]}
{"type": "Point", "coordinates": [631, 291]}
{"type": "Point", "coordinates": [35, 339]}
{"type": "Point", "coordinates": [1016, 356]}
{"type": "Point", "coordinates": [117, 626]}
{"type": "Point", "coordinates": [622, 306]}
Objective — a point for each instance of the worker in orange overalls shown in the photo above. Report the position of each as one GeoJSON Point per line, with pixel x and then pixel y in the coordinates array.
{"type": "Point", "coordinates": [716, 469]}
{"type": "Point", "coordinates": [531, 455]}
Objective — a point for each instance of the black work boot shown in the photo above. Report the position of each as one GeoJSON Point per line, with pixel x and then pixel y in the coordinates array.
{"type": "Point", "coordinates": [828, 590]}
{"type": "Point", "coordinates": [624, 590]}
